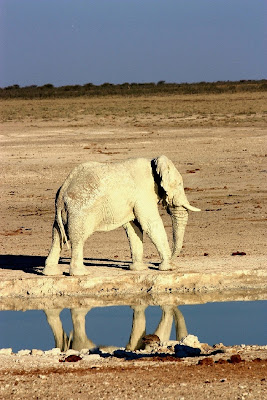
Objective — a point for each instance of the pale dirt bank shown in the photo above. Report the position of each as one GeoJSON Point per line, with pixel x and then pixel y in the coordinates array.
{"type": "Point", "coordinates": [224, 171]}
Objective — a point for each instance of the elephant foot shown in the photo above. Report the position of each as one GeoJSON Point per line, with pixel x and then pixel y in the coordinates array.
{"type": "Point", "coordinates": [137, 266]}
{"type": "Point", "coordinates": [165, 266]}
{"type": "Point", "coordinates": [79, 271]}
{"type": "Point", "coordinates": [52, 269]}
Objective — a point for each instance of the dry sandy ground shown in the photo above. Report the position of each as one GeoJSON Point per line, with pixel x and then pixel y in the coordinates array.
{"type": "Point", "coordinates": [222, 158]}
{"type": "Point", "coordinates": [110, 379]}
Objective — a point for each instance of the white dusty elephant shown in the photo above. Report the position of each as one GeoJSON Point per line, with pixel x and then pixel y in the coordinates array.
{"type": "Point", "coordinates": [104, 196]}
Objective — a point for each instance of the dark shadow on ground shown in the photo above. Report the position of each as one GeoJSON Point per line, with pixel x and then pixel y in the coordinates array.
{"type": "Point", "coordinates": [100, 262]}
{"type": "Point", "coordinates": [35, 264]}
{"type": "Point", "coordinates": [28, 264]}
{"type": "Point", "coordinates": [114, 263]}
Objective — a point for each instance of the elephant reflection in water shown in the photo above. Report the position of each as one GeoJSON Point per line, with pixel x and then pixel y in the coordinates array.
{"type": "Point", "coordinates": [163, 330]}
{"type": "Point", "coordinates": [78, 339]}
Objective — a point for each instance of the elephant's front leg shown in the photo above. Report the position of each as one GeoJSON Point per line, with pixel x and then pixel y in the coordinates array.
{"type": "Point", "coordinates": [135, 236]}
{"type": "Point", "coordinates": [152, 224]}
{"type": "Point", "coordinates": [158, 236]}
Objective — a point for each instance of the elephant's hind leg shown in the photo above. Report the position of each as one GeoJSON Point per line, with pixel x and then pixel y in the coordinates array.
{"type": "Point", "coordinates": [77, 235]}
{"type": "Point", "coordinates": [51, 263]}
{"type": "Point", "coordinates": [135, 235]}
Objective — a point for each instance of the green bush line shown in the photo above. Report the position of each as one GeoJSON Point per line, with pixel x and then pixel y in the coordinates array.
{"type": "Point", "coordinates": [131, 89]}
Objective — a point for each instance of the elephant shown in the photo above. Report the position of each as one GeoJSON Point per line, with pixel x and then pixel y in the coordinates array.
{"type": "Point", "coordinates": [104, 196]}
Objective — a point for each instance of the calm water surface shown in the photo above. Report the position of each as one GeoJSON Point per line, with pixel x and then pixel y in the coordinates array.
{"type": "Point", "coordinates": [229, 323]}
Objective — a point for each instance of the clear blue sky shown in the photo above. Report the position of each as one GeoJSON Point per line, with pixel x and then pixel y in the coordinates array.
{"type": "Point", "coordinates": [79, 41]}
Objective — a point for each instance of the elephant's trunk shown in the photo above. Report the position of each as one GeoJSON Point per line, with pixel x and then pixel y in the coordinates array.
{"type": "Point", "coordinates": [179, 216]}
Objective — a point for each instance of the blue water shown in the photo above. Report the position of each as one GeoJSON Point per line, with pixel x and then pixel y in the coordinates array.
{"type": "Point", "coordinates": [230, 323]}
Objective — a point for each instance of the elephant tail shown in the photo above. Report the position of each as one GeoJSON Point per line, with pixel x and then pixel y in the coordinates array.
{"type": "Point", "coordinates": [59, 209]}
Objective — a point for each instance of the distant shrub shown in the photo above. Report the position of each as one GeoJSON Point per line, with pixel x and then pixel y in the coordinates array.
{"type": "Point", "coordinates": [48, 86]}
{"type": "Point", "coordinates": [13, 87]}
{"type": "Point", "coordinates": [88, 85]}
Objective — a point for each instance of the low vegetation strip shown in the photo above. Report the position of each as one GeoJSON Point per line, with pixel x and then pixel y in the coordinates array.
{"type": "Point", "coordinates": [131, 89]}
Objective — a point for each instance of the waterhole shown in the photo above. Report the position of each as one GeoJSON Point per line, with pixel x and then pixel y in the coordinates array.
{"type": "Point", "coordinates": [230, 323]}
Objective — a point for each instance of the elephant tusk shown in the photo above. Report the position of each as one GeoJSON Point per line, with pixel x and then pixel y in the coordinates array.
{"type": "Point", "coordinates": [191, 208]}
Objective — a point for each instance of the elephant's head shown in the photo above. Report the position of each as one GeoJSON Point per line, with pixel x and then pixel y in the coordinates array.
{"type": "Point", "coordinates": [171, 190]}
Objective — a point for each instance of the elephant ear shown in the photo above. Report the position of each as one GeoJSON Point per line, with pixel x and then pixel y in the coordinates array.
{"type": "Point", "coordinates": [167, 173]}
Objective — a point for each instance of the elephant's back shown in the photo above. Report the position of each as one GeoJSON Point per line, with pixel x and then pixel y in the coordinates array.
{"type": "Point", "coordinates": [92, 180]}
{"type": "Point", "coordinates": [95, 179]}
{"type": "Point", "coordinates": [85, 177]}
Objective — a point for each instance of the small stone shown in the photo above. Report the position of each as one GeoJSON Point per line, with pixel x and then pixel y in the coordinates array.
{"type": "Point", "coordinates": [36, 352]}
{"type": "Point", "coordinates": [24, 352]}
{"type": "Point", "coordinates": [221, 361]}
{"type": "Point", "coordinates": [42, 376]}
{"type": "Point", "coordinates": [72, 358]}
{"type": "Point", "coordinates": [191, 341]}
{"type": "Point", "coordinates": [53, 352]}
{"type": "Point", "coordinates": [6, 352]}
{"type": "Point", "coordinates": [91, 357]}
{"type": "Point", "coordinates": [149, 339]}
{"type": "Point", "coordinates": [169, 343]}
{"type": "Point", "coordinates": [205, 347]}
{"type": "Point", "coordinates": [239, 253]}
{"type": "Point", "coordinates": [84, 351]}
{"type": "Point", "coordinates": [72, 352]}
{"type": "Point", "coordinates": [220, 346]}
{"type": "Point", "coordinates": [206, 361]}
{"type": "Point", "coordinates": [235, 359]}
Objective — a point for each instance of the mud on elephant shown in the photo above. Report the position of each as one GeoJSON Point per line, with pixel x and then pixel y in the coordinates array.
{"type": "Point", "coordinates": [104, 196]}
